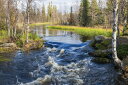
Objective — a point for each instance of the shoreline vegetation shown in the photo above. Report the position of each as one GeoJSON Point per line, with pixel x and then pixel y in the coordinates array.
{"type": "Point", "coordinates": [39, 24]}
{"type": "Point", "coordinates": [10, 44]}
{"type": "Point", "coordinates": [84, 31]}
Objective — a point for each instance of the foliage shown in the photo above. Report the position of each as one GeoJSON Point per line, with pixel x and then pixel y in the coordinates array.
{"type": "Point", "coordinates": [33, 36]}
{"type": "Point", "coordinates": [84, 13]}
{"type": "Point", "coordinates": [122, 51]}
{"type": "Point", "coordinates": [3, 36]}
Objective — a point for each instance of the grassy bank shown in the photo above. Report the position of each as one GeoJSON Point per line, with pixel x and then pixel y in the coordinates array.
{"type": "Point", "coordinates": [38, 24]}
{"type": "Point", "coordinates": [19, 40]}
{"type": "Point", "coordinates": [85, 31]}
{"type": "Point", "coordinates": [3, 36]}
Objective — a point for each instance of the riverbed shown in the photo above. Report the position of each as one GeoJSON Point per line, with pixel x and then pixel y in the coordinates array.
{"type": "Point", "coordinates": [63, 61]}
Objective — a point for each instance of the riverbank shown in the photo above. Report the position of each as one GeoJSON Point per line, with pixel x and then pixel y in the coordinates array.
{"type": "Point", "coordinates": [39, 24]}
{"type": "Point", "coordinates": [85, 31]}
{"type": "Point", "coordinates": [13, 43]}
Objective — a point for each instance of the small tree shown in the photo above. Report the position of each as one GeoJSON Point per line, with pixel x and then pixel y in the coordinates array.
{"type": "Point", "coordinates": [28, 18]}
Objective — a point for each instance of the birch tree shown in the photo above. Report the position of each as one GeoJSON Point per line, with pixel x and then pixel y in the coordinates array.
{"type": "Point", "coordinates": [29, 2]}
{"type": "Point", "coordinates": [117, 61]}
{"type": "Point", "coordinates": [8, 16]}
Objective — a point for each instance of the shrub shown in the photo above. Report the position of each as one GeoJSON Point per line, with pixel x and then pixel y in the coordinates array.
{"type": "Point", "coordinates": [122, 51]}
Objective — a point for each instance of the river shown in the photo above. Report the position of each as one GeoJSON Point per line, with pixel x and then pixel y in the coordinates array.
{"type": "Point", "coordinates": [63, 61]}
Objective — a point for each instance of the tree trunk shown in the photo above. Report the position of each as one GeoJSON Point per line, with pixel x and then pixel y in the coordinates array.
{"type": "Point", "coordinates": [8, 17]}
{"type": "Point", "coordinates": [117, 61]}
{"type": "Point", "coordinates": [28, 22]}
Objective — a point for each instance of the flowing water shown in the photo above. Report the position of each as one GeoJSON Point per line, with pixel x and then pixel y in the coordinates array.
{"type": "Point", "coordinates": [63, 61]}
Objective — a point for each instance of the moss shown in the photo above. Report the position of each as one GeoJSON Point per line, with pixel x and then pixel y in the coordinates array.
{"type": "Point", "coordinates": [101, 60]}
{"type": "Point", "coordinates": [103, 45]}
{"type": "Point", "coordinates": [122, 51]}
{"type": "Point", "coordinates": [99, 53]}
{"type": "Point", "coordinates": [92, 44]}
{"type": "Point", "coordinates": [106, 42]}
{"type": "Point", "coordinates": [100, 46]}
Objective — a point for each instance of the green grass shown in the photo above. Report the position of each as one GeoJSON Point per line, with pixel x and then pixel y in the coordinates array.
{"type": "Point", "coordinates": [122, 51]}
{"type": "Point", "coordinates": [85, 31]}
{"type": "Point", "coordinates": [39, 24]}
{"type": "Point", "coordinates": [22, 39]}
{"type": "Point", "coordinates": [3, 35]}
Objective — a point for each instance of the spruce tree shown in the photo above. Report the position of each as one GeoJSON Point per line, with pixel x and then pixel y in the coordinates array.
{"type": "Point", "coordinates": [43, 13]}
{"type": "Point", "coordinates": [71, 19]}
{"type": "Point", "coordinates": [83, 13]}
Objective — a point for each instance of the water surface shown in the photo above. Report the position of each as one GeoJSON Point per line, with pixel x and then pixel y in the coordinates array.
{"type": "Point", "coordinates": [63, 61]}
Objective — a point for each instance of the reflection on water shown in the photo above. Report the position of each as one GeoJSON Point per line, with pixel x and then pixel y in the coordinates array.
{"type": "Point", "coordinates": [58, 35]}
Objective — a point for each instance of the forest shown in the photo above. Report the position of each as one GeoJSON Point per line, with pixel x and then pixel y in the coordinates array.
{"type": "Point", "coordinates": [80, 42]}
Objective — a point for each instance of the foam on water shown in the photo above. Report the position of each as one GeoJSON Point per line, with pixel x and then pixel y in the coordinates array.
{"type": "Point", "coordinates": [76, 72]}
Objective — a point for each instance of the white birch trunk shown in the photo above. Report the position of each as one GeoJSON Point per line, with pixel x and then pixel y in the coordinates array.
{"type": "Point", "coordinates": [8, 17]}
{"type": "Point", "coordinates": [117, 61]}
{"type": "Point", "coordinates": [28, 22]}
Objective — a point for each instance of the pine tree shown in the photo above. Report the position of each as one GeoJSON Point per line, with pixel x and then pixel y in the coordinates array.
{"type": "Point", "coordinates": [71, 19]}
{"type": "Point", "coordinates": [83, 13]}
{"type": "Point", "coordinates": [50, 6]}
{"type": "Point", "coordinates": [43, 13]}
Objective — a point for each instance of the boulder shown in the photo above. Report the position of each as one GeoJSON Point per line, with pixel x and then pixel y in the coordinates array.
{"type": "Point", "coordinates": [123, 40]}
{"type": "Point", "coordinates": [62, 51]}
{"type": "Point", "coordinates": [101, 53]}
{"type": "Point", "coordinates": [101, 60]}
{"type": "Point", "coordinates": [99, 38]}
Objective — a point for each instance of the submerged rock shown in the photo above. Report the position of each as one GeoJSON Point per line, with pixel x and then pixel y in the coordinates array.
{"type": "Point", "coordinates": [62, 51]}
{"type": "Point", "coordinates": [101, 60]}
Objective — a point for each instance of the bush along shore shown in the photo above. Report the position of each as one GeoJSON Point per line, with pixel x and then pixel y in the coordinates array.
{"type": "Point", "coordinates": [13, 43]}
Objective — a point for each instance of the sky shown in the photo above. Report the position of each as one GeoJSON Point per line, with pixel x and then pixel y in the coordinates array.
{"type": "Point", "coordinates": [62, 5]}
{"type": "Point", "coordinates": [65, 5]}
